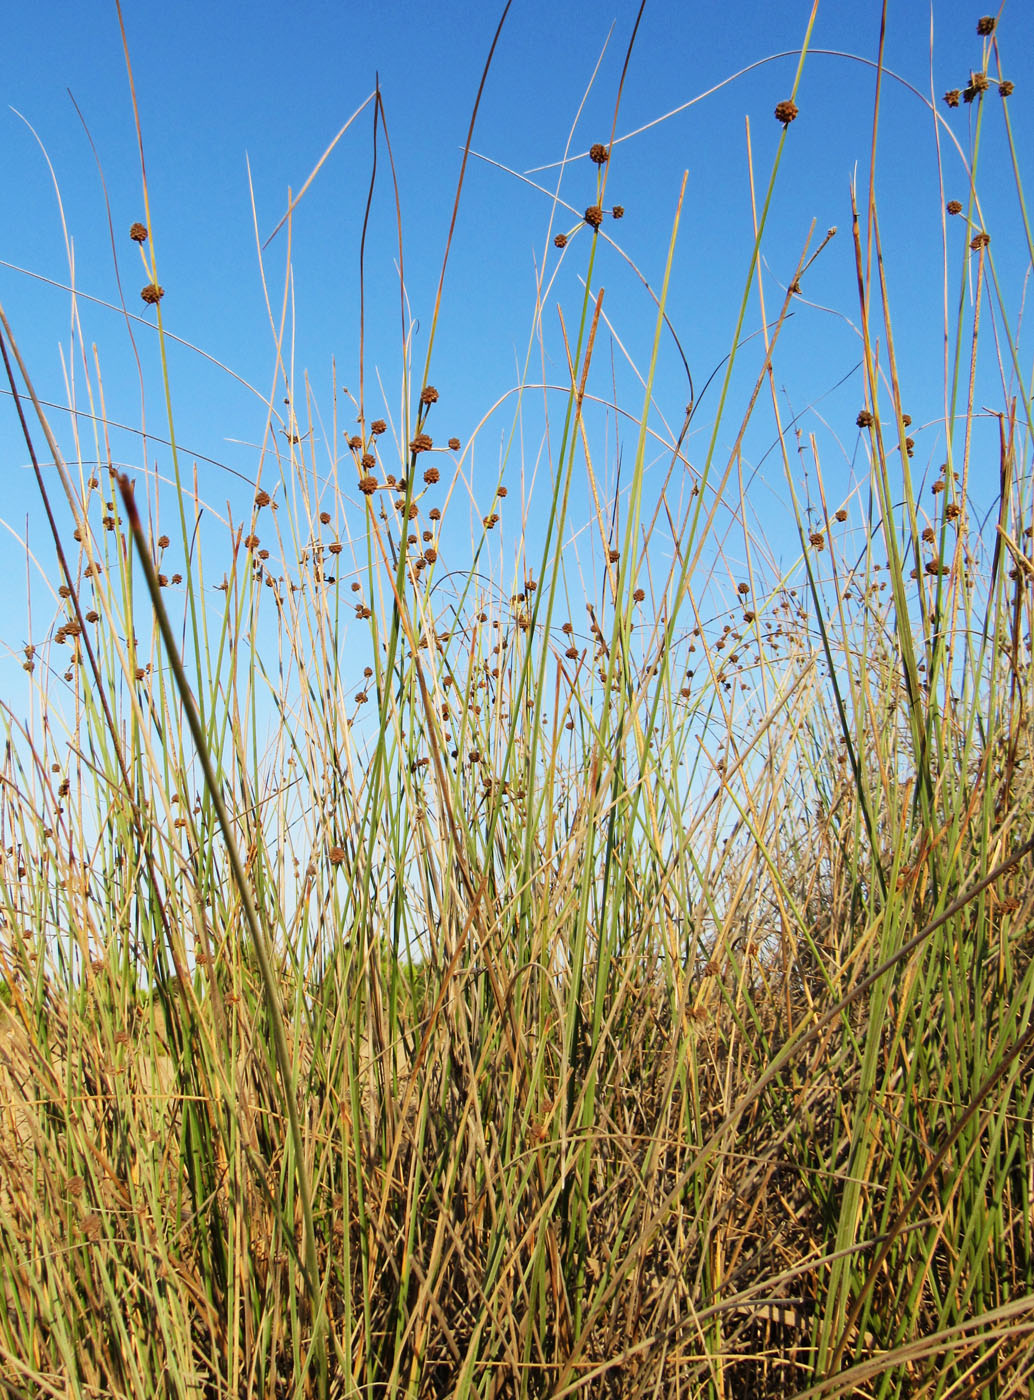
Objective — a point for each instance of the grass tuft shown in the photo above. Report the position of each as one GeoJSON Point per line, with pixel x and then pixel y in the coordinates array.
{"type": "Point", "coordinates": [609, 973]}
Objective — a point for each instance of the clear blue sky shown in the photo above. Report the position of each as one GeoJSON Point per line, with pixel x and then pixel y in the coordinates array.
{"type": "Point", "coordinates": [220, 83]}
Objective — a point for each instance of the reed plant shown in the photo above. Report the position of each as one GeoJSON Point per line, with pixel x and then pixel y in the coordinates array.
{"type": "Point", "coordinates": [428, 974]}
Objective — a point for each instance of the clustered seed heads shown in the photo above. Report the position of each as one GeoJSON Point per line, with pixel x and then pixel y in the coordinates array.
{"type": "Point", "coordinates": [454, 444]}
{"type": "Point", "coordinates": [560, 241]}
{"type": "Point", "coordinates": [428, 395]}
{"type": "Point", "coordinates": [378, 426]}
{"type": "Point", "coordinates": [421, 443]}
{"type": "Point", "coordinates": [952, 96]}
{"type": "Point", "coordinates": [786, 112]}
{"type": "Point", "coordinates": [599, 154]}
{"type": "Point", "coordinates": [986, 25]}
{"type": "Point", "coordinates": [594, 216]}
{"type": "Point", "coordinates": [138, 233]}
{"type": "Point", "coordinates": [864, 419]}
{"type": "Point", "coordinates": [152, 294]}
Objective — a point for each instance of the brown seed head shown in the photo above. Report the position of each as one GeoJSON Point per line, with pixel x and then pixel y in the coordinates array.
{"type": "Point", "coordinates": [138, 233]}
{"type": "Point", "coordinates": [434, 514]}
{"type": "Point", "coordinates": [786, 112]}
{"type": "Point", "coordinates": [378, 426]}
{"type": "Point", "coordinates": [152, 294]}
{"type": "Point", "coordinates": [431, 476]}
{"type": "Point", "coordinates": [454, 444]}
{"type": "Point", "coordinates": [952, 97]}
{"type": "Point", "coordinates": [864, 419]}
{"type": "Point", "coordinates": [368, 461]}
{"type": "Point", "coordinates": [1006, 88]}
{"type": "Point", "coordinates": [986, 25]}
{"type": "Point", "coordinates": [355, 443]}
{"type": "Point", "coordinates": [953, 206]}
{"type": "Point", "coordinates": [618, 212]}
{"type": "Point", "coordinates": [429, 394]}
{"type": "Point", "coordinates": [560, 241]}
{"type": "Point", "coordinates": [594, 216]}
{"type": "Point", "coordinates": [599, 154]}
{"type": "Point", "coordinates": [840, 515]}
{"type": "Point", "coordinates": [817, 539]}
{"type": "Point", "coordinates": [421, 443]}
{"type": "Point", "coordinates": [981, 240]}
{"type": "Point", "coordinates": [261, 499]}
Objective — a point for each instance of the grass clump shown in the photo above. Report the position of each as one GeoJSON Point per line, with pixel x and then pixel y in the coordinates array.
{"type": "Point", "coordinates": [565, 988]}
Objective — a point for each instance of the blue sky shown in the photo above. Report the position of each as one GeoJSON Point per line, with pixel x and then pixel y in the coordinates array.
{"type": "Point", "coordinates": [222, 85]}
